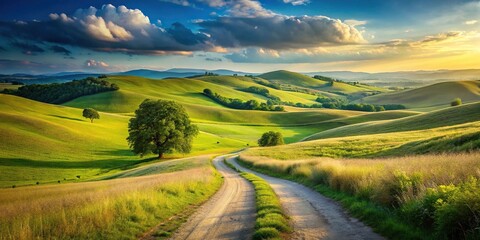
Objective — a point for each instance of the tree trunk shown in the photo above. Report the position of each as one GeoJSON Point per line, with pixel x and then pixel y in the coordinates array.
{"type": "Point", "coordinates": [91, 120]}
{"type": "Point", "coordinates": [160, 155]}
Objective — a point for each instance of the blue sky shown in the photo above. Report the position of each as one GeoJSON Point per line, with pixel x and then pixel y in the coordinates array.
{"type": "Point", "coordinates": [45, 36]}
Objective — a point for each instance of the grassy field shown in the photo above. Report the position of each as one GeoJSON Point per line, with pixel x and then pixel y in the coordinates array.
{"type": "Point", "coordinates": [434, 95]}
{"type": "Point", "coordinates": [123, 208]}
{"type": "Point", "coordinates": [46, 143]}
{"type": "Point", "coordinates": [416, 197]}
{"type": "Point", "coordinates": [458, 138]}
{"type": "Point", "coordinates": [444, 117]}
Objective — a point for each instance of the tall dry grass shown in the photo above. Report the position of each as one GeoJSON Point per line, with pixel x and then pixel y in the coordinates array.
{"type": "Point", "coordinates": [112, 209]}
{"type": "Point", "coordinates": [437, 193]}
{"type": "Point", "coordinates": [385, 180]}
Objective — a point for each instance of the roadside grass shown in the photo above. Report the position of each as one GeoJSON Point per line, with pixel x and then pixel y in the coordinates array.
{"type": "Point", "coordinates": [271, 222]}
{"type": "Point", "coordinates": [415, 197]}
{"type": "Point", "coordinates": [123, 208]}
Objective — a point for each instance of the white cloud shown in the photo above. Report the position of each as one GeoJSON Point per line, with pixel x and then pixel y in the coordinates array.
{"type": "Point", "coordinates": [297, 2]}
{"type": "Point", "coordinates": [248, 8]}
{"type": "Point", "coordinates": [354, 23]}
{"type": "Point", "coordinates": [471, 22]}
{"type": "Point", "coordinates": [178, 2]}
{"type": "Point", "coordinates": [91, 63]}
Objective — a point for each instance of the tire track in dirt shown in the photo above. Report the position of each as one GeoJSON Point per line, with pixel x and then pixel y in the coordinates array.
{"type": "Point", "coordinates": [229, 214]}
{"type": "Point", "coordinates": [312, 215]}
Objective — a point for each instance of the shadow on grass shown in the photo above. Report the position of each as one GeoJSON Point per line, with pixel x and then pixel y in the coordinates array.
{"type": "Point", "coordinates": [93, 164]}
{"type": "Point", "coordinates": [69, 118]}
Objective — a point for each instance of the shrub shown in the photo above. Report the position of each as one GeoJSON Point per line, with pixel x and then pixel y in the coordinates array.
{"type": "Point", "coordinates": [271, 138]}
{"type": "Point", "coordinates": [266, 233]}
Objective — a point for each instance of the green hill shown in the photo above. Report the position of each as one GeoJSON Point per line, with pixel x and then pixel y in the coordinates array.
{"type": "Point", "coordinates": [296, 79]}
{"type": "Point", "coordinates": [292, 78]}
{"type": "Point", "coordinates": [432, 95]}
{"type": "Point", "coordinates": [44, 142]}
{"type": "Point", "coordinates": [440, 118]}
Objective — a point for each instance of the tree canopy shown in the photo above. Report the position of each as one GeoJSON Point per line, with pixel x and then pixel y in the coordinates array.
{"type": "Point", "coordinates": [63, 92]}
{"type": "Point", "coordinates": [160, 127]}
{"type": "Point", "coordinates": [91, 114]}
{"type": "Point", "coordinates": [271, 138]}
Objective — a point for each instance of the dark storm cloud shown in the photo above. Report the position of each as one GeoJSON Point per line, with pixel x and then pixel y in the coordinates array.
{"type": "Point", "coordinates": [60, 49]}
{"type": "Point", "coordinates": [28, 48]}
{"type": "Point", "coordinates": [280, 32]}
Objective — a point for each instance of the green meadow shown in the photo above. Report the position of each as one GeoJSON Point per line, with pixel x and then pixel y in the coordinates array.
{"type": "Point", "coordinates": [48, 143]}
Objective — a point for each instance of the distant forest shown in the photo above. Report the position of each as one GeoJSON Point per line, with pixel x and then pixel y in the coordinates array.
{"type": "Point", "coordinates": [58, 93]}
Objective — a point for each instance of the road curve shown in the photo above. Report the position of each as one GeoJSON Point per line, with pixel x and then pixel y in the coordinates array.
{"type": "Point", "coordinates": [229, 214]}
{"type": "Point", "coordinates": [312, 215]}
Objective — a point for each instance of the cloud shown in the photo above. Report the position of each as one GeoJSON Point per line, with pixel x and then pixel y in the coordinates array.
{"type": "Point", "coordinates": [248, 9]}
{"type": "Point", "coordinates": [60, 49]}
{"type": "Point", "coordinates": [354, 23]}
{"type": "Point", "coordinates": [109, 29]}
{"type": "Point", "coordinates": [119, 29]}
{"type": "Point", "coordinates": [2, 49]}
{"type": "Point", "coordinates": [8, 66]}
{"type": "Point", "coordinates": [297, 2]}
{"type": "Point", "coordinates": [178, 2]}
{"type": "Point", "coordinates": [471, 22]}
{"type": "Point", "coordinates": [428, 46]}
{"type": "Point", "coordinates": [27, 48]}
{"type": "Point", "coordinates": [94, 64]}
{"type": "Point", "coordinates": [214, 3]}
{"type": "Point", "coordinates": [213, 59]}
{"type": "Point", "coordinates": [316, 55]}
{"type": "Point", "coordinates": [280, 32]}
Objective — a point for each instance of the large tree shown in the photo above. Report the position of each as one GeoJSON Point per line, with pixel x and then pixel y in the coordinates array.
{"type": "Point", "coordinates": [91, 114]}
{"type": "Point", "coordinates": [160, 127]}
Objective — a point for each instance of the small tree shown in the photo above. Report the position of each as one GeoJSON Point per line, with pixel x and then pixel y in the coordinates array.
{"type": "Point", "coordinates": [271, 138]}
{"type": "Point", "coordinates": [456, 102]}
{"type": "Point", "coordinates": [91, 114]}
{"type": "Point", "coordinates": [160, 127]}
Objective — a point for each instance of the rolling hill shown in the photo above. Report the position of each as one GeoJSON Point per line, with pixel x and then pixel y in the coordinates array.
{"type": "Point", "coordinates": [296, 79]}
{"type": "Point", "coordinates": [440, 118]}
{"type": "Point", "coordinates": [440, 94]}
{"type": "Point", "coordinates": [44, 142]}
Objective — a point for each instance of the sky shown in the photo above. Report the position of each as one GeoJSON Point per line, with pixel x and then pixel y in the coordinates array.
{"type": "Point", "coordinates": [49, 36]}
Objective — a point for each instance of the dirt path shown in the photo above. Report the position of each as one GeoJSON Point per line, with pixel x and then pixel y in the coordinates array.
{"type": "Point", "coordinates": [314, 216]}
{"type": "Point", "coordinates": [229, 214]}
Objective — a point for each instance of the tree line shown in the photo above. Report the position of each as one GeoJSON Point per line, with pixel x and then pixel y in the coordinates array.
{"type": "Point", "coordinates": [239, 104]}
{"type": "Point", "coordinates": [58, 93]}
{"type": "Point", "coordinates": [339, 103]}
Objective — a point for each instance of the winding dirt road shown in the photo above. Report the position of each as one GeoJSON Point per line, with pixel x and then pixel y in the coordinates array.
{"type": "Point", "coordinates": [312, 215]}
{"type": "Point", "coordinates": [229, 214]}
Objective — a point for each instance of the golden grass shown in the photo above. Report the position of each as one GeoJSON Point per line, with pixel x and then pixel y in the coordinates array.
{"type": "Point", "coordinates": [112, 209]}
{"type": "Point", "coordinates": [384, 180]}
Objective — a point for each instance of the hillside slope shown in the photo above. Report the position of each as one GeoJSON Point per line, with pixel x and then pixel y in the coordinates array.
{"type": "Point", "coordinates": [300, 80]}
{"type": "Point", "coordinates": [445, 117]}
{"type": "Point", "coordinates": [432, 95]}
